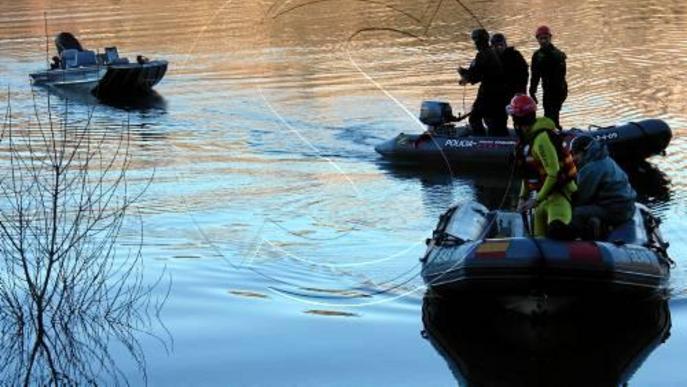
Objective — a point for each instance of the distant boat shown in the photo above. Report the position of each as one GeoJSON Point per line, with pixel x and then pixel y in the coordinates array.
{"type": "Point", "coordinates": [104, 75]}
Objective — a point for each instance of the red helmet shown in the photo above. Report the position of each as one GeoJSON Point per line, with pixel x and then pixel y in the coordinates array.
{"type": "Point", "coordinates": [542, 30]}
{"type": "Point", "coordinates": [521, 106]}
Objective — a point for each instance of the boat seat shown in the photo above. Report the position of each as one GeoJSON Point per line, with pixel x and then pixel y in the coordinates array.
{"type": "Point", "coordinates": [631, 231]}
{"type": "Point", "coordinates": [86, 58]}
{"type": "Point", "coordinates": [508, 225]}
{"type": "Point", "coordinates": [72, 58]}
{"type": "Point", "coordinates": [111, 54]}
{"type": "Point", "coordinates": [69, 58]}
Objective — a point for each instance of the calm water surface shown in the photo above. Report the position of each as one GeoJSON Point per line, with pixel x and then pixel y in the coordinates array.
{"type": "Point", "coordinates": [291, 247]}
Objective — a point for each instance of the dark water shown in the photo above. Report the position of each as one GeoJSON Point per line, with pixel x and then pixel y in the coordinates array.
{"type": "Point", "coordinates": [291, 247]}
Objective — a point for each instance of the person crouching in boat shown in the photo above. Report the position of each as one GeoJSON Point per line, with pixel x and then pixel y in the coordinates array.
{"type": "Point", "coordinates": [604, 197]}
{"type": "Point", "coordinates": [547, 168]}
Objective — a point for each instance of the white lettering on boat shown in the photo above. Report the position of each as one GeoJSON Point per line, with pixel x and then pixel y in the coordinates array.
{"type": "Point", "coordinates": [606, 137]}
{"type": "Point", "coordinates": [455, 143]}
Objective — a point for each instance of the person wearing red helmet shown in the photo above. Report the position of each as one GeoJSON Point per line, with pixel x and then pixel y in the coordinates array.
{"type": "Point", "coordinates": [546, 167]}
{"type": "Point", "coordinates": [487, 70]}
{"type": "Point", "coordinates": [548, 64]}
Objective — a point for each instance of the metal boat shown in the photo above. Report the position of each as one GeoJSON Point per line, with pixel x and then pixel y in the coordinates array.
{"type": "Point", "coordinates": [104, 75]}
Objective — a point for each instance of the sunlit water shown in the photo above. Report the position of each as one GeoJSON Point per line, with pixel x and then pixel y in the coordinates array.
{"type": "Point", "coordinates": [292, 248]}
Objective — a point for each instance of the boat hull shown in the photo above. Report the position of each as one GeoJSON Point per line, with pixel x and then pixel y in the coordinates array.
{"type": "Point", "coordinates": [476, 251]}
{"type": "Point", "coordinates": [134, 79]}
{"type": "Point", "coordinates": [632, 141]}
{"type": "Point", "coordinates": [105, 82]}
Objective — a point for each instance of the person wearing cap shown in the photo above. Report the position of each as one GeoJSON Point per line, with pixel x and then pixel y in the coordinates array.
{"type": "Point", "coordinates": [604, 197]}
{"type": "Point", "coordinates": [546, 167]}
{"type": "Point", "coordinates": [515, 68]}
{"type": "Point", "coordinates": [487, 70]}
{"type": "Point", "coordinates": [548, 64]}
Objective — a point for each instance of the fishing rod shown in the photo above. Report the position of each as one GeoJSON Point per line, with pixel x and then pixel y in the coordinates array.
{"type": "Point", "coordinates": [47, 44]}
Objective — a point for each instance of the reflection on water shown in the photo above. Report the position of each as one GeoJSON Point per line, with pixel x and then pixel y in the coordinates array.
{"type": "Point", "coordinates": [440, 189]}
{"type": "Point", "coordinates": [265, 173]}
{"type": "Point", "coordinates": [652, 184]}
{"type": "Point", "coordinates": [498, 189]}
{"type": "Point", "coordinates": [67, 299]}
{"type": "Point", "coordinates": [141, 103]}
{"type": "Point", "coordinates": [599, 342]}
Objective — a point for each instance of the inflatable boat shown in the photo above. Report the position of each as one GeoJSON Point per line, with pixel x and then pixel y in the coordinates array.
{"type": "Point", "coordinates": [105, 76]}
{"type": "Point", "coordinates": [594, 343]}
{"type": "Point", "coordinates": [445, 142]}
{"type": "Point", "coordinates": [474, 250]}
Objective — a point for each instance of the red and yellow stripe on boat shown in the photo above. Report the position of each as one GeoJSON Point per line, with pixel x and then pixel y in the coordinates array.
{"type": "Point", "coordinates": [583, 251]}
{"type": "Point", "coordinates": [496, 248]}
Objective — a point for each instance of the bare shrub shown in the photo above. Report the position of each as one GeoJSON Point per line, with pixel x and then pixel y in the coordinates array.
{"type": "Point", "coordinates": [67, 296]}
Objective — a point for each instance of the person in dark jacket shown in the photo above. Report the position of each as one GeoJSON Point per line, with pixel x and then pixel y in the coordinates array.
{"type": "Point", "coordinates": [515, 68]}
{"type": "Point", "coordinates": [604, 196]}
{"type": "Point", "coordinates": [548, 64]}
{"type": "Point", "coordinates": [487, 70]}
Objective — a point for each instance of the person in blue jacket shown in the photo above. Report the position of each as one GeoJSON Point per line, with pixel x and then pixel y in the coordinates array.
{"type": "Point", "coordinates": [604, 196]}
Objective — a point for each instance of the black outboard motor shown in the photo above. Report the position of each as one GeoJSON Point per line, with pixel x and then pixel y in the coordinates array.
{"type": "Point", "coordinates": [67, 41]}
{"type": "Point", "coordinates": [435, 114]}
{"type": "Point", "coordinates": [439, 118]}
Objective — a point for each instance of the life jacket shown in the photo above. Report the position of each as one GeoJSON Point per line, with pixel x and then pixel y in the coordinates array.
{"type": "Point", "coordinates": [532, 170]}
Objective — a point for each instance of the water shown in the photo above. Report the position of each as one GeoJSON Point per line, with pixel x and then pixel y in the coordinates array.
{"type": "Point", "coordinates": [291, 247]}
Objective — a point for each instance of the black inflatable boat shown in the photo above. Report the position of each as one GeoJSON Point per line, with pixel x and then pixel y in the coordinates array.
{"type": "Point", "coordinates": [474, 250]}
{"type": "Point", "coordinates": [105, 75]}
{"type": "Point", "coordinates": [593, 343]}
{"type": "Point", "coordinates": [444, 142]}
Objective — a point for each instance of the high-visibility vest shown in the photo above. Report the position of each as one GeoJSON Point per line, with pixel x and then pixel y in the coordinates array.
{"type": "Point", "coordinates": [533, 171]}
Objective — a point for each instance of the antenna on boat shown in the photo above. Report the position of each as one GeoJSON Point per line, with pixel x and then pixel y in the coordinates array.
{"type": "Point", "coordinates": [47, 44]}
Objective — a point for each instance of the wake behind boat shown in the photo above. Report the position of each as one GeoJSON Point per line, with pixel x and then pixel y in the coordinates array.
{"type": "Point", "coordinates": [444, 142]}
{"type": "Point", "coordinates": [474, 250]}
{"type": "Point", "coordinates": [104, 75]}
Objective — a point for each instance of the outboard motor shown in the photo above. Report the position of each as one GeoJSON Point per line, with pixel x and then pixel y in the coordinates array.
{"type": "Point", "coordinates": [435, 114]}
{"type": "Point", "coordinates": [67, 41]}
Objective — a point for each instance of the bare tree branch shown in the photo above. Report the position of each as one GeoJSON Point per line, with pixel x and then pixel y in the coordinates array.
{"type": "Point", "coordinates": [66, 293]}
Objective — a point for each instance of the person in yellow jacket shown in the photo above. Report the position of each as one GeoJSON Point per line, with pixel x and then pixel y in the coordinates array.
{"type": "Point", "coordinates": [547, 168]}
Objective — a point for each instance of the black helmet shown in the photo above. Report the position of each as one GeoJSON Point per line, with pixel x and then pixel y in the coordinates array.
{"type": "Point", "coordinates": [498, 38]}
{"type": "Point", "coordinates": [480, 36]}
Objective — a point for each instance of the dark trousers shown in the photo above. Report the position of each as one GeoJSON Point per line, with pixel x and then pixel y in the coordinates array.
{"type": "Point", "coordinates": [609, 217]}
{"type": "Point", "coordinates": [490, 111]}
{"type": "Point", "coordinates": [553, 101]}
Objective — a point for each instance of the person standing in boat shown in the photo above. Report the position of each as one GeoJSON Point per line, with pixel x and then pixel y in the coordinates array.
{"type": "Point", "coordinates": [546, 167]}
{"type": "Point", "coordinates": [548, 64]}
{"type": "Point", "coordinates": [604, 197]}
{"type": "Point", "coordinates": [487, 70]}
{"type": "Point", "coordinates": [516, 70]}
